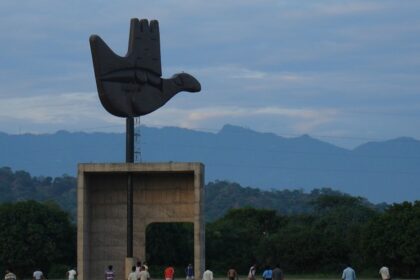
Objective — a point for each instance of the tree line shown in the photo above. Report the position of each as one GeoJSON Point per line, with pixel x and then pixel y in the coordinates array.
{"type": "Point", "coordinates": [220, 195]}
{"type": "Point", "coordinates": [326, 232]}
{"type": "Point", "coordinates": [342, 231]}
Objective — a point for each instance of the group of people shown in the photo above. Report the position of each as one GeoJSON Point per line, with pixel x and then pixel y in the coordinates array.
{"type": "Point", "coordinates": [277, 273]}
{"type": "Point", "coordinates": [39, 275]}
{"type": "Point", "coordinates": [138, 272]}
{"type": "Point", "coordinates": [141, 272]}
{"type": "Point", "coordinates": [268, 274]}
{"type": "Point", "coordinates": [232, 274]}
{"type": "Point", "coordinates": [350, 274]}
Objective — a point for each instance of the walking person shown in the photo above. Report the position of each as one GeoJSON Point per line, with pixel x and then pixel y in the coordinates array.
{"type": "Point", "coordinates": [133, 274]}
{"type": "Point", "coordinates": [268, 273]}
{"type": "Point", "coordinates": [146, 267]}
{"type": "Point", "coordinates": [38, 275]}
{"type": "Point", "coordinates": [169, 273]}
{"type": "Point", "coordinates": [189, 272]}
{"type": "Point", "coordinates": [232, 274]}
{"type": "Point", "coordinates": [144, 274]}
{"type": "Point", "coordinates": [109, 273]}
{"type": "Point", "coordinates": [71, 274]}
{"type": "Point", "coordinates": [251, 272]}
{"type": "Point", "coordinates": [384, 272]}
{"type": "Point", "coordinates": [277, 273]}
{"type": "Point", "coordinates": [138, 268]}
{"type": "Point", "coordinates": [348, 274]}
{"type": "Point", "coordinates": [208, 275]}
{"type": "Point", "coordinates": [9, 275]}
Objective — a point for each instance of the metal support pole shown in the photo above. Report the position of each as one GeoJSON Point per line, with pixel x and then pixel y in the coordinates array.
{"type": "Point", "coordinates": [129, 158]}
{"type": "Point", "coordinates": [129, 148]}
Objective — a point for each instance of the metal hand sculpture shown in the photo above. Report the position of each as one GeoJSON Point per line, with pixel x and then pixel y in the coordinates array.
{"type": "Point", "coordinates": [132, 86]}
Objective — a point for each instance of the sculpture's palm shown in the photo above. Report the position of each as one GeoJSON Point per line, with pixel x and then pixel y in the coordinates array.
{"type": "Point", "coordinates": [132, 86]}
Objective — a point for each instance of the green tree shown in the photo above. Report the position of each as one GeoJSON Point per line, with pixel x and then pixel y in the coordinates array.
{"type": "Point", "coordinates": [35, 235]}
{"type": "Point", "coordinates": [339, 223]}
{"type": "Point", "coordinates": [294, 245]}
{"type": "Point", "coordinates": [393, 238]}
{"type": "Point", "coordinates": [234, 239]}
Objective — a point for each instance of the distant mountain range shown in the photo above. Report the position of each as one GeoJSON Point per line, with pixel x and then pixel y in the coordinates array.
{"type": "Point", "coordinates": [386, 171]}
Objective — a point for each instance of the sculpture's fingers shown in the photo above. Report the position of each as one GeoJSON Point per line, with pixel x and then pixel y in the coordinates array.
{"type": "Point", "coordinates": [154, 29]}
{"type": "Point", "coordinates": [134, 33]}
{"type": "Point", "coordinates": [144, 26]}
{"type": "Point", "coordinates": [144, 45]}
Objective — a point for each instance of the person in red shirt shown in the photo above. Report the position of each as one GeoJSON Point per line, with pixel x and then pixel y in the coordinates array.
{"type": "Point", "coordinates": [169, 273]}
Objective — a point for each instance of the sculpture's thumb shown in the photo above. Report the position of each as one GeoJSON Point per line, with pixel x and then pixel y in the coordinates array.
{"type": "Point", "coordinates": [181, 82]}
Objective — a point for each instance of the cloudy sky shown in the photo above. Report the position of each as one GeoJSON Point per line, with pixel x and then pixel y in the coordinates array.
{"type": "Point", "coordinates": [346, 72]}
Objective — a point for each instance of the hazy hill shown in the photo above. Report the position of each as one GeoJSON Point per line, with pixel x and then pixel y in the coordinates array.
{"type": "Point", "coordinates": [381, 171]}
{"type": "Point", "coordinates": [220, 195]}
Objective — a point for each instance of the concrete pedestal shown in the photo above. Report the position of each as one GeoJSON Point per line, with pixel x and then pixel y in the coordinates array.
{"type": "Point", "coordinates": [162, 192]}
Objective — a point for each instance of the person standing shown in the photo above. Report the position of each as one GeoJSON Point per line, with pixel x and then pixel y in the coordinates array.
{"type": "Point", "coordinates": [384, 272]}
{"type": "Point", "coordinates": [267, 274]}
{"type": "Point", "coordinates": [71, 274]}
{"type": "Point", "coordinates": [277, 273]}
{"type": "Point", "coordinates": [232, 274]}
{"type": "Point", "coordinates": [251, 272]}
{"type": "Point", "coordinates": [146, 267]}
{"type": "Point", "coordinates": [169, 273]}
{"type": "Point", "coordinates": [109, 273]}
{"type": "Point", "coordinates": [189, 272]}
{"type": "Point", "coordinates": [38, 275]}
{"type": "Point", "coordinates": [208, 275]}
{"type": "Point", "coordinates": [133, 274]}
{"type": "Point", "coordinates": [144, 274]}
{"type": "Point", "coordinates": [138, 268]}
{"type": "Point", "coordinates": [9, 275]}
{"type": "Point", "coordinates": [348, 274]}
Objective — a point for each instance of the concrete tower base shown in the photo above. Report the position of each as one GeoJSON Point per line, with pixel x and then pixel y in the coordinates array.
{"type": "Point", "coordinates": [162, 192]}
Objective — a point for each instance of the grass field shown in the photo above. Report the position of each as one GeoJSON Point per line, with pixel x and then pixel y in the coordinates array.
{"type": "Point", "coordinates": [291, 277]}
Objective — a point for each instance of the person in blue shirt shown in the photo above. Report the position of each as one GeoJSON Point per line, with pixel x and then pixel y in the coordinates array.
{"type": "Point", "coordinates": [189, 272]}
{"type": "Point", "coordinates": [348, 274]}
{"type": "Point", "coordinates": [267, 274]}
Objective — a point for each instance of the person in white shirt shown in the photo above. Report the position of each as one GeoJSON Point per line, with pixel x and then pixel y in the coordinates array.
{"type": "Point", "coordinates": [133, 274]}
{"type": "Point", "coordinates": [208, 275]}
{"type": "Point", "coordinates": [138, 268]}
{"type": "Point", "coordinates": [384, 272]}
{"type": "Point", "coordinates": [146, 267]}
{"type": "Point", "coordinates": [71, 274]}
{"type": "Point", "coordinates": [144, 274]}
{"type": "Point", "coordinates": [251, 273]}
{"type": "Point", "coordinates": [9, 275]}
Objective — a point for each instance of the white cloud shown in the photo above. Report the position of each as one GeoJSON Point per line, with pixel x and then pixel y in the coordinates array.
{"type": "Point", "coordinates": [75, 109]}
{"type": "Point", "coordinates": [233, 73]}
{"type": "Point", "coordinates": [54, 108]}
